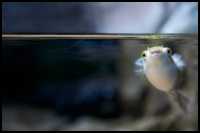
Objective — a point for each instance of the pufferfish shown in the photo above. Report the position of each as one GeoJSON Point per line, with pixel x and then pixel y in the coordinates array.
{"type": "Point", "coordinates": [162, 69]}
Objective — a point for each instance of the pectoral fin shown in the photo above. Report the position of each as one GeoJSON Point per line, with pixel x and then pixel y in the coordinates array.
{"type": "Point", "coordinates": [139, 67]}
{"type": "Point", "coordinates": [177, 60]}
{"type": "Point", "coordinates": [139, 72]}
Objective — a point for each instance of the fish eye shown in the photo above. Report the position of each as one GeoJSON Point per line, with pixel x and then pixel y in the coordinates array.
{"type": "Point", "coordinates": [143, 55]}
{"type": "Point", "coordinates": [169, 51]}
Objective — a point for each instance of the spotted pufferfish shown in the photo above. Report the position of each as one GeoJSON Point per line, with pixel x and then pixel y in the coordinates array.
{"type": "Point", "coordinates": [162, 69]}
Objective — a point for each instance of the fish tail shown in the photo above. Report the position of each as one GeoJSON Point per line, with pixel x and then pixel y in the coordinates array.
{"type": "Point", "coordinates": [181, 98]}
{"type": "Point", "coordinates": [173, 94]}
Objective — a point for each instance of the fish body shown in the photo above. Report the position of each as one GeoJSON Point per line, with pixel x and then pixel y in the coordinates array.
{"type": "Point", "coordinates": [162, 69]}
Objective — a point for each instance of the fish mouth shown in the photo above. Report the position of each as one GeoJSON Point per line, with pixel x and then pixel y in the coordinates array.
{"type": "Point", "coordinates": [155, 51]}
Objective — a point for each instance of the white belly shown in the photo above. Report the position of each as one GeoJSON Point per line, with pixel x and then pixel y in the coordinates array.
{"type": "Point", "coordinates": [162, 77]}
